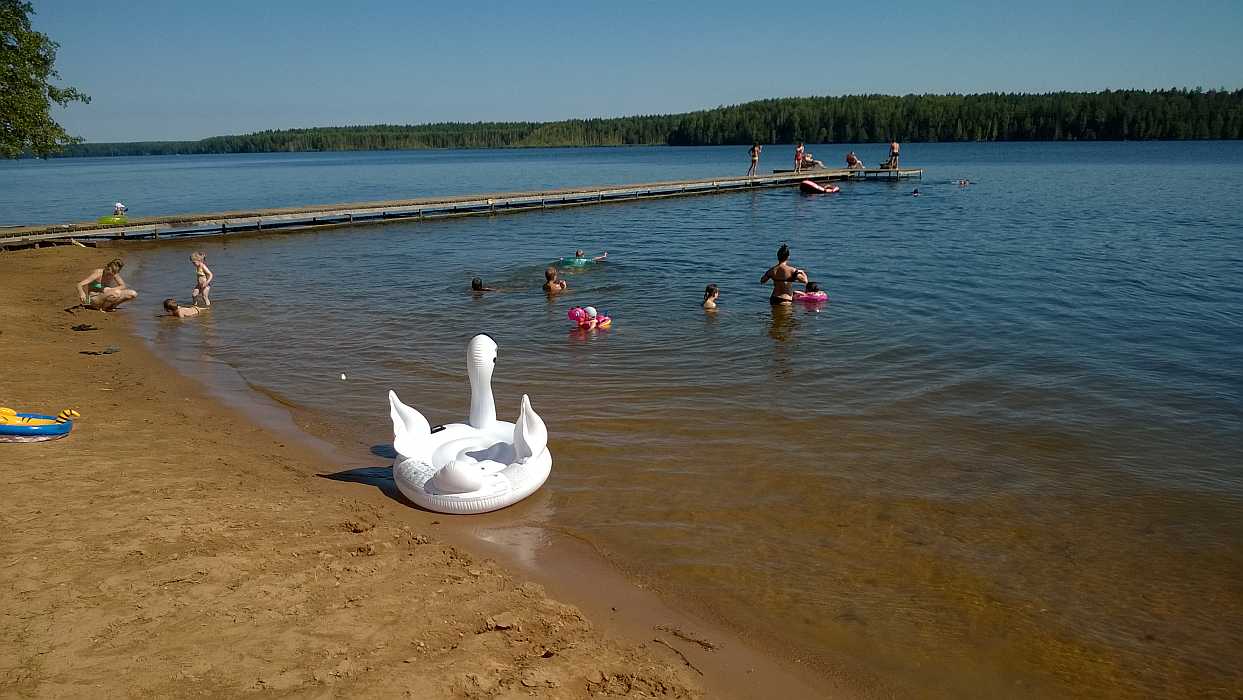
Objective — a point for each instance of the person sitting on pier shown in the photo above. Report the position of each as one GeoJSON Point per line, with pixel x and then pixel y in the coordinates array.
{"type": "Point", "coordinates": [118, 209]}
{"type": "Point", "coordinates": [810, 162]}
{"type": "Point", "coordinates": [552, 285]}
{"type": "Point", "coordinates": [783, 276]}
{"type": "Point", "coordinates": [853, 162]}
{"type": "Point", "coordinates": [892, 163]}
{"type": "Point", "coordinates": [104, 289]}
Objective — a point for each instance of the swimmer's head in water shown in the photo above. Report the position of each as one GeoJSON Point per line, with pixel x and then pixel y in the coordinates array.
{"type": "Point", "coordinates": [114, 266]}
{"type": "Point", "coordinates": [476, 284]}
{"type": "Point", "coordinates": [579, 253]}
{"type": "Point", "coordinates": [550, 273]}
{"type": "Point", "coordinates": [783, 253]}
{"type": "Point", "coordinates": [711, 291]}
{"type": "Point", "coordinates": [170, 304]}
{"type": "Point", "coordinates": [591, 311]}
{"type": "Point", "coordinates": [813, 287]}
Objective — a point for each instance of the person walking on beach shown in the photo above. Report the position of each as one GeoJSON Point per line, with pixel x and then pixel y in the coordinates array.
{"type": "Point", "coordinates": [783, 276]}
{"type": "Point", "coordinates": [104, 289]}
{"type": "Point", "coordinates": [755, 159]}
{"type": "Point", "coordinates": [203, 278]}
{"type": "Point", "coordinates": [798, 157]}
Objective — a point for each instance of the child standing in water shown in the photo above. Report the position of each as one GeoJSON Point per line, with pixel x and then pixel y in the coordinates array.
{"type": "Point", "coordinates": [204, 274]}
{"type": "Point", "coordinates": [552, 285]}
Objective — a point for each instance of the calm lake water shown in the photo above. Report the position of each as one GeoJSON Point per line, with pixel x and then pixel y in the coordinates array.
{"type": "Point", "coordinates": [1006, 458]}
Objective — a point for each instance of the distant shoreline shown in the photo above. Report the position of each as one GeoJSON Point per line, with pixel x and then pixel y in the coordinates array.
{"type": "Point", "coordinates": [1120, 115]}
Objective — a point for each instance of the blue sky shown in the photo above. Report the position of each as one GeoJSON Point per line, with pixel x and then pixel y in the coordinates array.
{"type": "Point", "coordinates": [182, 70]}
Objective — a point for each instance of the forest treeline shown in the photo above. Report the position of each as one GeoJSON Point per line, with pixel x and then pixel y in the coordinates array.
{"type": "Point", "coordinates": [1112, 115]}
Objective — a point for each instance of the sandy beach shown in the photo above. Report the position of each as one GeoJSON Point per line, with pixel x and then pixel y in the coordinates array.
{"type": "Point", "coordinates": [169, 547]}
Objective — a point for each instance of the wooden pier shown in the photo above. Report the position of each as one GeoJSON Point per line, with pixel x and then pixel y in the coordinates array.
{"type": "Point", "coordinates": [320, 216]}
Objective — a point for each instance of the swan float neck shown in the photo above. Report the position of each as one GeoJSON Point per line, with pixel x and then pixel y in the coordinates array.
{"type": "Point", "coordinates": [480, 359]}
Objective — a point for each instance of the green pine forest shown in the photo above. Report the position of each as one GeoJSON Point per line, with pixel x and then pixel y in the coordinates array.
{"type": "Point", "coordinates": [1111, 115]}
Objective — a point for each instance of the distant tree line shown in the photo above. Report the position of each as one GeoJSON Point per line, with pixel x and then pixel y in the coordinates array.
{"type": "Point", "coordinates": [1112, 115]}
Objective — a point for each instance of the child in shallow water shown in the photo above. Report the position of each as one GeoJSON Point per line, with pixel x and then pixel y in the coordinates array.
{"type": "Point", "coordinates": [204, 277]}
{"type": "Point", "coordinates": [711, 294]}
{"type": "Point", "coordinates": [174, 309]}
{"type": "Point", "coordinates": [552, 285]}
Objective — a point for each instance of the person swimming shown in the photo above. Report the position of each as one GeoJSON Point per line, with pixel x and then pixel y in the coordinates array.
{"type": "Point", "coordinates": [553, 285]}
{"type": "Point", "coordinates": [711, 294]}
{"type": "Point", "coordinates": [175, 309]}
{"type": "Point", "coordinates": [783, 276]}
{"type": "Point", "coordinates": [476, 285]}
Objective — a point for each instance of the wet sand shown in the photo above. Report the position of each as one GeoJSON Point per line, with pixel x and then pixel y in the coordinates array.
{"type": "Point", "coordinates": [170, 547]}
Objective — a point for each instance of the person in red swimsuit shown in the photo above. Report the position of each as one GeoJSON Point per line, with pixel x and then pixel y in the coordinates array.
{"type": "Point", "coordinates": [798, 157]}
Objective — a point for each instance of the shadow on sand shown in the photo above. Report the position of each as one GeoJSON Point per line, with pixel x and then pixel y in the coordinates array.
{"type": "Point", "coordinates": [379, 477]}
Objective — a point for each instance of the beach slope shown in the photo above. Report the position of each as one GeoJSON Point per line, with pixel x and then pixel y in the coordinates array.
{"type": "Point", "coordinates": [169, 547]}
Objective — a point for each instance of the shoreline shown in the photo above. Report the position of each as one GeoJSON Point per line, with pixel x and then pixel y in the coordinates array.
{"type": "Point", "coordinates": [273, 621]}
{"type": "Point", "coordinates": [570, 568]}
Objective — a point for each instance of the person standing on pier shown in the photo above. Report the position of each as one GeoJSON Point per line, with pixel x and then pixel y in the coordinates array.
{"type": "Point", "coordinates": [892, 163]}
{"type": "Point", "coordinates": [755, 159]}
{"type": "Point", "coordinates": [798, 157]}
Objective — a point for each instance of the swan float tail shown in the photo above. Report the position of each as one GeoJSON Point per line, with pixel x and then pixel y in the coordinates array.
{"type": "Point", "coordinates": [530, 433]}
{"type": "Point", "coordinates": [411, 431]}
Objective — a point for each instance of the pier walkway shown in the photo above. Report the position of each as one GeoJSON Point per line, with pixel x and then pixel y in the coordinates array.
{"type": "Point", "coordinates": [319, 216]}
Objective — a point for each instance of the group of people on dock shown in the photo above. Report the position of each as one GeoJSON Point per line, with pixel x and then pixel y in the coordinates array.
{"type": "Point", "coordinates": [104, 289]}
{"type": "Point", "coordinates": [804, 160]}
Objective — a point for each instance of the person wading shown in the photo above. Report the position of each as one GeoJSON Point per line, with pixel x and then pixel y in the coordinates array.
{"type": "Point", "coordinates": [783, 276]}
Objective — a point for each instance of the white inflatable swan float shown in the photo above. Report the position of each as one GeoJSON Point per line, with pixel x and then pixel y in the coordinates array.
{"type": "Point", "coordinates": [473, 467]}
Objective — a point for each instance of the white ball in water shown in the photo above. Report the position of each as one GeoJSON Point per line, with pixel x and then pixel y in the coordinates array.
{"type": "Point", "coordinates": [343, 377]}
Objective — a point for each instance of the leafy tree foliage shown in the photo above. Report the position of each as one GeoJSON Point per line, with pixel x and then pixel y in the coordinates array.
{"type": "Point", "coordinates": [27, 67]}
{"type": "Point", "coordinates": [1058, 116]}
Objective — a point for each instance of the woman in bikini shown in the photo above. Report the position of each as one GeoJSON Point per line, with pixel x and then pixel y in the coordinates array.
{"type": "Point", "coordinates": [783, 276]}
{"type": "Point", "coordinates": [104, 289]}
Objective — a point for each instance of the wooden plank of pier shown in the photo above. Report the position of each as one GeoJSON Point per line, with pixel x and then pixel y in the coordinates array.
{"type": "Point", "coordinates": [318, 216]}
